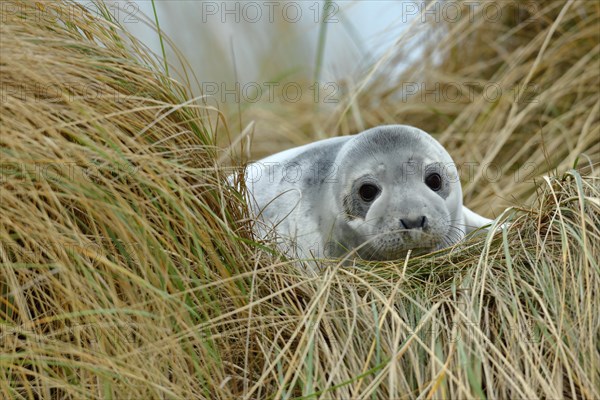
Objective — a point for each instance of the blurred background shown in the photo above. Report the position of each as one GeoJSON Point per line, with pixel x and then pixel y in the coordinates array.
{"type": "Point", "coordinates": [510, 88]}
{"type": "Point", "coordinates": [259, 62]}
{"type": "Point", "coordinates": [258, 41]}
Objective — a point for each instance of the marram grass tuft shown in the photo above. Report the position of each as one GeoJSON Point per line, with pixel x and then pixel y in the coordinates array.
{"type": "Point", "coordinates": [117, 240]}
{"type": "Point", "coordinates": [128, 270]}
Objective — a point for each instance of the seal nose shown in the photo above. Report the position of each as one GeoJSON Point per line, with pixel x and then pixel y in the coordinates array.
{"type": "Point", "coordinates": [414, 223]}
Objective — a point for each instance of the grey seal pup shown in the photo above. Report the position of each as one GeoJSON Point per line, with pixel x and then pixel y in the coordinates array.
{"type": "Point", "coordinates": [376, 194]}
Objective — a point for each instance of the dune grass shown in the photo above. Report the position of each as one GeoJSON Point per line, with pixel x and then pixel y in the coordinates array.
{"type": "Point", "coordinates": [128, 269]}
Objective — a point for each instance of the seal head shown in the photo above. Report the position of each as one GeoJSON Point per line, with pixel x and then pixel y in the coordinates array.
{"type": "Point", "coordinates": [376, 194]}
{"type": "Point", "coordinates": [398, 189]}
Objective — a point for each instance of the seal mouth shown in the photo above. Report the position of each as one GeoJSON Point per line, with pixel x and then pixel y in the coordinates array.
{"type": "Point", "coordinates": [395, 245]}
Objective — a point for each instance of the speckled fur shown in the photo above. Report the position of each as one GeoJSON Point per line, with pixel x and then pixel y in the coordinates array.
{"type": "Point", "coordinates": [309, 195]}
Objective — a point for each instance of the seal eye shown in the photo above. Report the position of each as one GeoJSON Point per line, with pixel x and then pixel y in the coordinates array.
{"type": "Point", "coordinates": [434, 181]}
{"type": "Point", "coordinates": [368, 192]}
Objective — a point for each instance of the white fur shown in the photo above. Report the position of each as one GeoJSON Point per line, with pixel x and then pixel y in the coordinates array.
{"type": "Point", "coordinates": [305, 205]}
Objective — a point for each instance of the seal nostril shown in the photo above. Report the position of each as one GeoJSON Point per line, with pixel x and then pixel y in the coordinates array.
{"type": "Point", "coordinates": [414, 223]}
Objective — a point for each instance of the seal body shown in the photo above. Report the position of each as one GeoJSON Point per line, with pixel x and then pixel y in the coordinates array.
{"type": "Point", "coordinates": [376, 194]}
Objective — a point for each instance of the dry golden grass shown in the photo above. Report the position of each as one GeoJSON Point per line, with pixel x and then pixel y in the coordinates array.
{"type": "Point", "coordinates": [113, 219]}
{"type": "Point", "coordinates": [127, 270]}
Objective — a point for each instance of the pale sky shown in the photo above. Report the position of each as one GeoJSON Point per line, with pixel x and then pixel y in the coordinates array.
{"type": "Point", "coordinates": [281, 37]}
